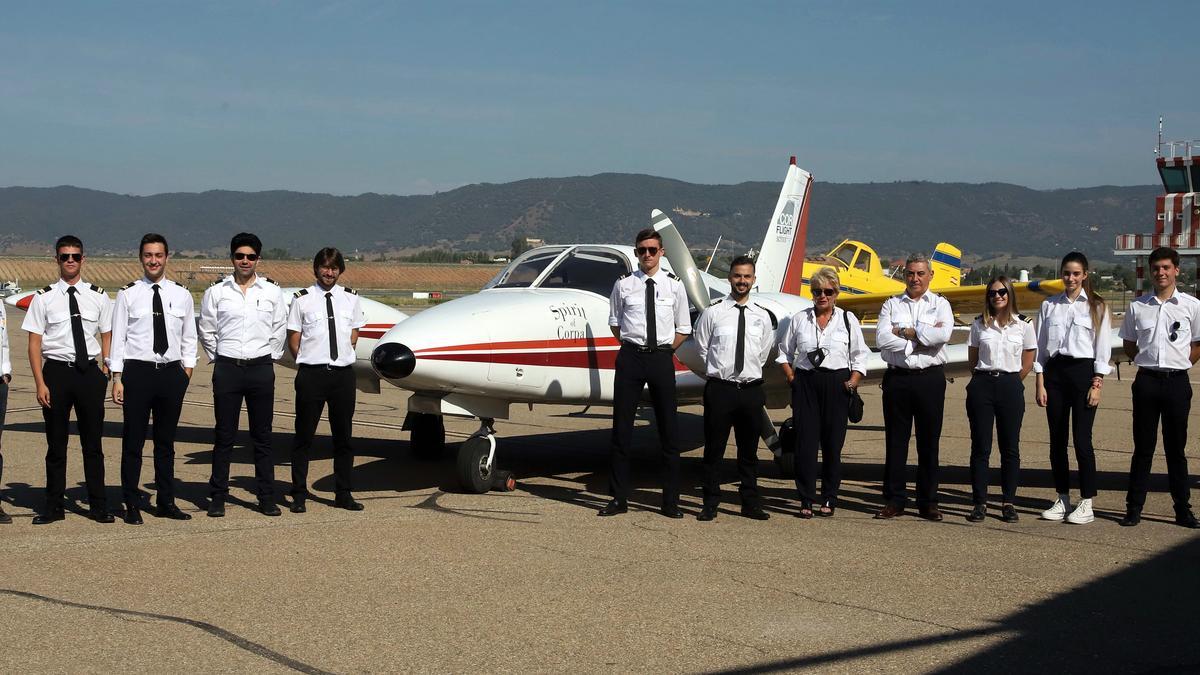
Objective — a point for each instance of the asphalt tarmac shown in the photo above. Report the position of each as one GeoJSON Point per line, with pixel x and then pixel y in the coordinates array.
{"type": "Point", "coordinates": [430, 579]}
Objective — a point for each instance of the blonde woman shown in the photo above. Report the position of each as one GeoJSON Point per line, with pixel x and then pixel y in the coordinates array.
{"type": "Point", "coordinates": [1000, 351]}
{"type": "Point", "coordinates": [823, 356]}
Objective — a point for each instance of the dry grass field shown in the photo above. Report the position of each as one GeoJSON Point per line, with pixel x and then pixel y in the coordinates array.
{"type": "Point", "coordinates": [196, 274]}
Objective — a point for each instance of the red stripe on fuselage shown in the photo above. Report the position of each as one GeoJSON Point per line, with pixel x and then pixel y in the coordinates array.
{"type": "Point", "coordinates": [591, 359]}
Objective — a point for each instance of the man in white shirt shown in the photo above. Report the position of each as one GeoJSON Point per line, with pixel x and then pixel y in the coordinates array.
{"type": "Point", "coordinates": [1161, 334]}
{"type": "Point", "coordinates": [70, 331]}
{"type": "Point", "coordinates": [912, 332]}
{"type": "Point", "coordinates": [153, 354]}
{"type": "Point", "coordinates": [734, 338]}
{"type": "Point", "coordinates": [242, 322]}
{"type": "Point", "coordinates": [649, 315]}
{"type": "Point", "coordinates": [322, 331]}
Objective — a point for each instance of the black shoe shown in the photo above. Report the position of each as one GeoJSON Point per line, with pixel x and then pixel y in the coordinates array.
{"type": "Point", "coordinates": [348, 503]}
{"type": "Point", "coordinates": [1185, 518]}
{"type": "Point", "coordinates": [216, 508]}
{"type": "Point", "coordinates": [101, 516]}
{"type": "Point", "coordinates": [755, 513]}
{"type": "Point", "coordinates": [977, 514]}
{"type": "Point", "coordinates": [671, 512]}
{"type": "Point", "coordinates": [1008, 513]}
{"type": "Point", "coordinates": [47, 518]}
{"type": "Point", "coordinates": [132, 516]}
{"type": "Point", "coordinates": [1133, 516]}
{"type": "Point", "coordinates": [269, 508]}
{"type": "Point", "coordinates": [298, 506]}
{"type": "Point", "coordinates": [171, 511]}
{"type": "Point", "coordinates": [707, 513]}
{"type": "Point", "coordinates": [613, 508]}
{"type": "Point", "coordinates": [5, 519]}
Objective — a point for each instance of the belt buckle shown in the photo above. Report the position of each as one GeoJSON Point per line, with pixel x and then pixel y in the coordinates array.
{"type": "Point", "coordinates": [241, 363]}
{"type": "Point", "coordinates": [159, 365]}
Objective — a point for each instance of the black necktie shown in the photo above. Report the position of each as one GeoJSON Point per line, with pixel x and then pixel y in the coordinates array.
{"type": "Point", "coordinates": [332, 327]}
{"type": "Point", "coordinates": [160, 324]}
{"type": "Point", "coordinates": [81, 352]}
{"type": "Point", "coordinates": [651, 318]}
{"type": "Point", "coordinates": [740, 359]}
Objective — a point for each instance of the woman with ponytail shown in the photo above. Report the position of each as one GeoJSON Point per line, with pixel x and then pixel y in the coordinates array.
{"type": "Point", "coordinates": [1074, 349]}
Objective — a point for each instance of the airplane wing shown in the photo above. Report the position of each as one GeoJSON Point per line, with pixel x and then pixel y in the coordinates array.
{"type": "Point", "coordinates": [964, 300]}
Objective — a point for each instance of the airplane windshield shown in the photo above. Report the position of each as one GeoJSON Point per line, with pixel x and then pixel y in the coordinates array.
{"type": "Point", "coordinates": [587, 270]}
{"type": "Point", "coordinates": [523, 271]}
{"type": "Point", "coordinates": [845, 253]}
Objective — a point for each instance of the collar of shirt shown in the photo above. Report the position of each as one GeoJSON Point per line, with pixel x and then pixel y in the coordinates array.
{"type": "Point", "coordinates": [336, 290]}
{"type": "Point", "coordinates": [259, 281]}
{"type": "Point", "coordinates": [658, 275]}
{"type": "Point", "coordinates": [1066, 299]}
{"type": "Point", "coordinates": [61, 285]}
{"type": "Point", "coordinates": [1174, 299]}
{"type": "Point", "coordinates": [927, 296]}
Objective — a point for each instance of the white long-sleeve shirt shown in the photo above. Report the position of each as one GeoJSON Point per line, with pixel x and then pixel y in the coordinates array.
{"type": "Point", "coordinates": [841, 349]}
{"type": "Point", "coordinates": [929, 315]}
{"type": "Point", "coordinates": [1065, 328]}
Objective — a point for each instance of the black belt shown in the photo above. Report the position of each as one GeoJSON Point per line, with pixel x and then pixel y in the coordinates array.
{"type": "Point", "coordinates": [643, 349]}
{"type": "Point", "coordinates": [90, 362]}
{"type": "Point", "coordinates": [897, 370]}
{"type": "Point", "coordinates": [256, 361]}
{"type": "Point", "coordinates": [1161, 374]}
{"type": "Point", "coordinates": [1063, 358]}
{"type": "Point", "coordinates": [322, 366]}
{"type": "Point", "coordinates": [992, 373]}
{"type": "Point", "coordinates": [153, 364]}
{"type": "Point", "coordinates": [737, 385]}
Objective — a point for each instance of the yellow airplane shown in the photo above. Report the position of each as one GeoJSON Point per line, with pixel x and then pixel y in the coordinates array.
{"type": "Point", "coordinates": [865, 284]}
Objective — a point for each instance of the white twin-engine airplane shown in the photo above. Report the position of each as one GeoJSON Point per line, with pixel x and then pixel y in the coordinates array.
{"type": "Point", "coordinates": [538, 333]}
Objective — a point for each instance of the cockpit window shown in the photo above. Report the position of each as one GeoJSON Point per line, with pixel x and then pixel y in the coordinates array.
{"type": "Point", "coordinates": [587, 270]}
{"type": "Point", "coordinates": [864, 261]}
{"type": "Point", "coordinates": [845, 253]}
{"type": "Point", "coordinates": [523, 271]}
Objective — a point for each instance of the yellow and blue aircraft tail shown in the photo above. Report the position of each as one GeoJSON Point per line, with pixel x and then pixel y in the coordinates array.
{"type": "Point", "coordinates": [946, 264]}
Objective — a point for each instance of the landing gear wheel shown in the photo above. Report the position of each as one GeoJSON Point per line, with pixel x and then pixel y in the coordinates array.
{"type": "Point", "coordinates": [427, 435]}
{"type": "Point", "coordinates": [474, 463]}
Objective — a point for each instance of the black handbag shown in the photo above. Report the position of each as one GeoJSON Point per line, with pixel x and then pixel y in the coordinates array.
{"type": "Point", "coordinates": [854, 411]}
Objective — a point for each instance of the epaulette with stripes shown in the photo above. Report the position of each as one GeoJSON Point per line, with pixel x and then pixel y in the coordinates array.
{"type": "Point", "coordinates": [302, 291]}
{"type": "Point", "coordinates": [96, 289]}
{"type": "Point", "coordinates": [1026, 319]}
{"type": "Point", "coordinates": [44, 290]}
{"type": "Point", "coordinates": [774, 321]}
{"type": "Point", "coordinates": [271, 281]}
{"type": "Point", "coordinates": [349, 290]}
{"type": "Point", "coordinates": [219, 280]}
{"type": "Point", "coordinates": [671, 275]}
{"type": "Point", "coordinates": [624, 276]}
{"type": "Point", "coordinates": [129, 285]}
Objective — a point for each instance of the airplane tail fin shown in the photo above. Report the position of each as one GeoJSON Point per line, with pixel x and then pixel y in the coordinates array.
{"type": "Point", "coordinates": [780, 262]}
{"type": "Point", "coordinates": [946, 264]}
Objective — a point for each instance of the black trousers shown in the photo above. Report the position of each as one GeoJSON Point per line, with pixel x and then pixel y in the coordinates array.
{"type": "Point", "coordinates": [726, 406]}
{"type": "Point", "coordinates": [157, 391]}
{"type": "Point", "coordinates": [84, 391]}
{"type": "Point", "coordinates": [912, 398]}
{"type": "Point", "coordinates": [635, 370]}
{"type": "Point", "coordinates": [3, 410]}
{"type": "Point", "coordinates": [820, 404]}
{"type": "Point", "coordinates": [995, 400]}
{"type": "Point", "coordinates": [1168, 398]}
{"type": "Point", "coordinates": [316, 386]}
{"type": "Point", "coordinates": [231, 385]}
{"type": "Point", "coordinates": [1067, 382]}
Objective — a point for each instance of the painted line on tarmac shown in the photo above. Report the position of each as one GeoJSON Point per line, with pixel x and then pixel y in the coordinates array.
{"type": "Point", "coordinates": [232, 638]}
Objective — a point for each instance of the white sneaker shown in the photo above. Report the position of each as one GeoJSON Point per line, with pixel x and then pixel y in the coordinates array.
{"type": "Point", "coordinates": [1058, 510]}
{"type": "Point", "coordinates": [1082, 514]}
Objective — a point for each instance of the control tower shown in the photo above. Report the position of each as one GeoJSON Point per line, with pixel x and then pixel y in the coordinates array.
{"type": "Point", "coordinates": [1177, 212]}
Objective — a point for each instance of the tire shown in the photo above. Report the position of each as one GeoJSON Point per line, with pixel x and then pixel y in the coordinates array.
{"type": "Point", "coordinates": [427, 436]}
{"type": "Point", "coordinates": [471, 456]}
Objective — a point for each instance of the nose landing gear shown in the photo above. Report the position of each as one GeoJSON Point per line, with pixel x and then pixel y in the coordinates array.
{"type": "Point", "coordinates": [476, 463]}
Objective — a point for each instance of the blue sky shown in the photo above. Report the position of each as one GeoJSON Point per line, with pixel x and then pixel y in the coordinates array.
{"type": "Point", "coordinates": [404, 98]}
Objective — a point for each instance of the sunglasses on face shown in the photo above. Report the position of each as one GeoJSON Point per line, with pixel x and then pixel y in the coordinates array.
{"type": "Point", "coordinates": [827, 292]}
{"type": "Point", "coordinates": [997, 293]}
{"type": "Point", "coordinates": [1174, 332]}
{"type": "Point", "coordinates": [245, 256]}
{"type": "Point", "coordinates": [74, 257]}
{"type": "Point", "coordinates": [647, 250]}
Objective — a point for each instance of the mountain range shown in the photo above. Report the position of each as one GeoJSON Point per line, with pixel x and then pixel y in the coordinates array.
{"type": "Point", "coordinates": [985, 220]}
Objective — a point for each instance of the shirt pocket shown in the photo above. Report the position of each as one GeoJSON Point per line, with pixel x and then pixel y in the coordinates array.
{"type": "Point", "coordinates": [1083, 323]}
{"type": "Point", "coordinates": [136, 314]}
{"type": "Point", "coordinates": [176, 314]}
{"type": "Point", "coordinates": [265, 307]}
{"type": "Point", "coordinates": [1014, 344]}
{"type": "Point", "coordinates": [313, 319]}
{"type": "Point", "coordinates": [58, 322]}
{"type": "Point", "coordinates": [724, 336]}
{"type": "Point", "coordinates": [634, 298]}
{"type": "Point", "coordinates": [90, 313]}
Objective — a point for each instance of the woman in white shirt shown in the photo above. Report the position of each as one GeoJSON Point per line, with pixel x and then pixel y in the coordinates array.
{"type": "Point", "coordinates": [1074, 348]}
{"type": "Point", "coordinates": [1000, 351]}
{"type": "Point", "coordinates": [823, 356]}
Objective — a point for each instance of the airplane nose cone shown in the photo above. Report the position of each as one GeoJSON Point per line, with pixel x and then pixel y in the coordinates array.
{"type": "Point", "coordinates": [393, 360]}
